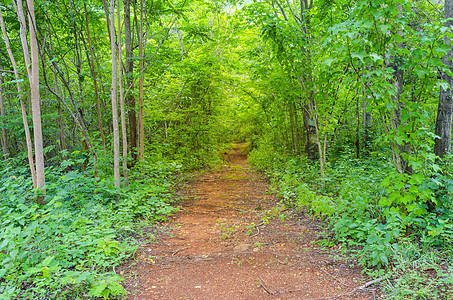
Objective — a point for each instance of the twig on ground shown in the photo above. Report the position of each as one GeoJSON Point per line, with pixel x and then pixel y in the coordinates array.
{"type": "Point", "coordinates": [265, 288]}
{"type": "Point", "coordinates": [257, 228]}
{"type": "Point", "coordinates": [179, 250]}
{"type": "Point", "coordinates": [269, 291]}
{"type": "Point", "coordinates": [258, 232]}
{"type": "Point", "coordinates": [362, 287]}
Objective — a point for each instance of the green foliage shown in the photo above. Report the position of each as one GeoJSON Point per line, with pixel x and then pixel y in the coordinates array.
{"type": "Point", "coordinates": [67, 247]}
{"type": "Point", "coordinates": [378, 233]}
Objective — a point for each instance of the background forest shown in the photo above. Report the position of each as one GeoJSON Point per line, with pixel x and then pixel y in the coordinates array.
{"type": "Point", "coordinates": [346, 105]}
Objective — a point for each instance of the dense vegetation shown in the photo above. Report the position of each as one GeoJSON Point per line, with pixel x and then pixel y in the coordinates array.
{"type": "Point", "coordinates": [346, 104]}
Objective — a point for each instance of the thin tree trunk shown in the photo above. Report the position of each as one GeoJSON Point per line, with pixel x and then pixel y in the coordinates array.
{"type": "Point", "coordinates": [130, 100]}
{"type": "Point", "coordinates": [93, 74]}
{"type": "Point", "coordinates": [114, 94]}
{"type": "Point", "coordinates": [36, 104]}
{"type": "Point", "coordinates": [5, 147]}
{"type": "Point", "coordinates": [142, 79]}
{"type": "Point", "coordinates": [122, 108]}
{"type": "Point", "coordinates": [107, 16]}
{"type": "Point", "coordinates": [366, 117]}
{"type": "Point", "coordinates": [442, 145]}
{"type": "Point", "coordinates": [22, 105]}
{"type": "Point", "coordinates": [357, 129]}
{"type": "Point", "coordinates": [78, 64]}
{"type": "Point", "coordinates": [23, 34]}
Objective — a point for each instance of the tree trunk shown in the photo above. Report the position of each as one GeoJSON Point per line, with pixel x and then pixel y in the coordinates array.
{"type": "Point", "coordinates": [21, 101]}
{"type": "Point", "coordinates": [357, 129]}
{"type": "Point", "coordinates": [442, 145]}
{"type": "Point", "coordinates": [93, 74]}
{"type": "Point", "coordinates": [114, 94]}
{"type": "Point", "coordinates": [36, 104]}
{"type": "Point", "coordinates": [142, 79]}
{"type": "Point", "coordinates": [23, 35]}
{"type": "Point", "coordinates": [122, 109]}
{"type": "Point", "coordinates": [366, 118]}
{"type": "Point", "coordinates": [130, 100]}
{"type": "Point", "coordinates": [309, 133]}
{"type": "Point", "coordinates": [5, 147]}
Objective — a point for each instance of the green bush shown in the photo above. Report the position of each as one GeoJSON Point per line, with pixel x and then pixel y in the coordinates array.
{"type": "Point", "coordinates": [68, 247]}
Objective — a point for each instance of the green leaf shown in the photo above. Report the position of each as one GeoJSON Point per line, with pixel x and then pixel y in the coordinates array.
{"type": "Point", "coordinates": [376, 57]}
{"type": "Point", "coordinates": [421, 73]}
{"type": "Point", "coordinates": [372, 238]}
{"type": "Point", "coordinates": [97, 288]}
{"type": "Point", "coordinates": [13, 254]}
{"type": "Point", "coordinates": [328, 61]}
{"type": "Point", "coordinates": [47, 261]}
{"type": "Point", "coordinates": [360, 55]}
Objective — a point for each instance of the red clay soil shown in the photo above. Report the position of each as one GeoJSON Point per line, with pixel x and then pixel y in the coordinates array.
{"type": "Point", "coordinates": [218, 247]}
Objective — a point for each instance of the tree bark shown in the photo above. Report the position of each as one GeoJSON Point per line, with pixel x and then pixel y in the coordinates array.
{"type": "Point", "coordinates": [442, 144]}
{"type": "Point", "coordinates": [114, 95]}
{"type": "Point", "coordinates": [5, 147]}
{"type": "Point", "coordinates": [122, 108]}
{"type": "Point", "coordinates": [23, 35]}
{"type": "Point", "coordinates": [142, 79]}
{"type": "Point", "coordinates": [36, 104]}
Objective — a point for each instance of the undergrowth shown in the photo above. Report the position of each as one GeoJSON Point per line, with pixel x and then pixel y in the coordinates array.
{"type": "Point", "coordinates": [408, 241]}
{"type": "Point", "coordinates": [69, 247]}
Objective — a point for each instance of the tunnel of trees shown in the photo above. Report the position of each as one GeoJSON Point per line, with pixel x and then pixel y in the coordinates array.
{"type": "Point", "coordinates": [346, 106]}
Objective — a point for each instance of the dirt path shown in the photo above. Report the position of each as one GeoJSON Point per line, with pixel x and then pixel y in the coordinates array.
{"type": "Point", "coordinates": [218, 247]}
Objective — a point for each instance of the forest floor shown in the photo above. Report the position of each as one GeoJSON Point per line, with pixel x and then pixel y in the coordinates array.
{"type": "Point", "coordinates": [217, 247]}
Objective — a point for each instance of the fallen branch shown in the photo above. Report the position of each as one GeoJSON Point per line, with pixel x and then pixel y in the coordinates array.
{"type": "Point", "coordinates": [269, 291]}
{"type": "Point", "coordinates": [357, 289]}
{"type": "Point", "coordinates": [179, 250]}
{"type": "Point", "coordinates": [265, 288]}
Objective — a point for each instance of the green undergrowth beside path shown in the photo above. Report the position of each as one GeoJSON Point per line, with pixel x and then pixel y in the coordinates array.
{"type": "Point", "coordinates": [68, 248]}
{"type": "Point", "coordinates": [411, 249]}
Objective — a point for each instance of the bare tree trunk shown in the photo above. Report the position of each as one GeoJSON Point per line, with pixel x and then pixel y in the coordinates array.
{"type": "Point", "coordinates": [21, 101]}
{"type": "Point", "coordinates": [122, 108]}
{"type": "Point", "coordinates": [5, 147]}
{"type": "Point", "coordinates": [114, 90]}
{"type": "Point", "coordinates": [107, 16]}
{"type": "Point", "coordinates": [36, 104]}
{"type": "Point", "coordinates": [78, 65]}
{"type": "Point", "coordinates": [93, 74]}
{"type": "Point", "coordinates": [23, 34]}
{"type": "Point", "coordinates": [130, 100]}
{"type": "Point", "coordinates": [142, 79]}
{"type": "Point", "coordinates": [442, 145]}
{"type": "Point", "coordinates": [366, 118]}
{"type": "Point", "coordinates": [357, 129]}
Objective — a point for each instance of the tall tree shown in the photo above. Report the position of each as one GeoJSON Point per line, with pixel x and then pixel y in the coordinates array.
{"type": "Point", "coordinates": [36, 102]}
{"type": "Point", "coordinates": [5, 147]}
{"type": "Point", "coordinates": [142, 79]}
{"type": "Point", "coordinates": [114, 95]}
{"type": "Point", "coordinates": [442, 144]}
{"type": "Point", "coordinates": [122, 108]}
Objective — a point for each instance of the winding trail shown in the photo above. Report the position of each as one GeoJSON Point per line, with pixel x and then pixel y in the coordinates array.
{"type": "Point", "coordinates": [218, 247]}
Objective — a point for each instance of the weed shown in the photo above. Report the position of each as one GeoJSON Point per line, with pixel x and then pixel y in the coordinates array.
{"type": "Point", "coordinates": [226, 231]}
